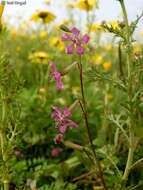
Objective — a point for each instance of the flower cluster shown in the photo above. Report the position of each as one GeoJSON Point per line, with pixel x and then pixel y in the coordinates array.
{"type": "Point", "coordinates": [62, 117]}
{"type": "Point", "coordinates": [56, 76]}
{"type": "Point", "coordinates": [77, 41]}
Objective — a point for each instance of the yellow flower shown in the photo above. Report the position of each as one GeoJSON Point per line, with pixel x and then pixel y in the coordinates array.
{"type": "Point", "coordinates": [137, 48]}
{"type": "Point", "coordinates": [39, 57]}
{"type": "Point", "coordinates": [114, 24]}
{"type": "Point", "coordinates": [86, 5]}
{"type": "Point", "coordinates": [96, 27]}
{"type": "Point", "coordinates": [1, 13]}
{"type": "Point", "coordinates": [44, 16]}
{"type": "Point", "coordinates": [56, 42]}
{"type": "Point", "coordinates": [97, 59]}
{"type": "Point", "coordinates": [43, 34]}
{"type": "Point", "coordinates": [1, 9]}
{"type": "Point", "coordinates": [107, 66]}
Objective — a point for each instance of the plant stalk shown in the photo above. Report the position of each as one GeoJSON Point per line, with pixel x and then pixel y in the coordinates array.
{"type": "Point", "coordinates": [84, 110]}
{"type": "Point", "coordinates": [129, 61]}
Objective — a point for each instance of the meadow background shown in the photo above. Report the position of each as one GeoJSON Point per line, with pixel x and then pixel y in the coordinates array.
{"type": "Point", "coordinates": [31, 39]}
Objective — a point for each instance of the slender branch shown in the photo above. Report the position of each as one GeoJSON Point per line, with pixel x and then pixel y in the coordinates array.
{"type": "Point", "coordinates": [84, 110]}
{"type": "Point", "coordinates": [129, 61]}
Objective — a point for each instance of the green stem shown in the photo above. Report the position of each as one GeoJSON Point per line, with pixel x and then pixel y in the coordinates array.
{"type": "Point", "coordinates": [129, 61]}
{"type": "Point", "coordinates": [84, 109]}
{"type": "Point", "coordinates": [128, 36]}
{"type": "Point", "coordinates": [6, 185]}
{"type": "Point", "coordinates": [2, 141]}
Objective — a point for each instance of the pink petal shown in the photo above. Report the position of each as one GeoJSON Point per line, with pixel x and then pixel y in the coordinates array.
{"type": "Point", "coordinates": [69, 49]}
{"type": "Point", "coordinates": [59, 84]}
{"type": "Point", "coordinates": [85, 39]}
{"type": "Point", "coordinates": [75, 31]}
{"type": "Point", "coordinates": [67, 112]}
{"type": "Point", "coordinates": [62, 128]}
{"type": "Point", "coordinates": [66, 37]}
{"type": "Point", "coordinates": [56, 75]}
{"type": "Point", "coordinates": [80, 50]}
{"type": "Point", "coordinates": [55, 152]}
{"type": "Point", "coordinates": [58, 139]}
{"type": "Point", "coordinates": [73, 124]}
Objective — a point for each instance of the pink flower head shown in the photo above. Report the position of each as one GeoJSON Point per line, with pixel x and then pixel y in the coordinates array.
{"type": "Point", "coordinates": [58, 139]}
{"type": "Point", "coordinates": [85, 38]}
{"type": "Point", "coordinates": [77, 41]}
{"type": "Point", "coordinates": [75, 31]}
{"type": "Point", "coordinates": [55, 152]}
{"type": "Point", "coordinates": [56, 76]}
{"type": "Point", "coordinates": [62, 117]}
{"type": "Point", "coordinates": [80, 50]}
{"type": "Point", "coordinates": [66, 37]}
{"type": "Point", "coordinates": [69, 49]}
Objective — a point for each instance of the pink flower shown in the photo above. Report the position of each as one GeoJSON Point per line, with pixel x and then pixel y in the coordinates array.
{"type": "Point", "coordinates": [58, 139]}
{"type": "Point", "coordinates": [75, 31]}
{"type": "Point", "coordinates": [66, 37]}
{"type": "Point", "coordinates": [77, 41]}
{"type": "Point", "coordinates": [62, 117]}
{"type": "Point", "coordinates": [85, 38]}
{"type": "Point", "coordinates": [55, 152]}
{"type": "Point", "coordinates": [56, 76]}
{"type": "Point", "coordinates": [69, 49]}
{"type": "Point", "coordinates": [80, 50]}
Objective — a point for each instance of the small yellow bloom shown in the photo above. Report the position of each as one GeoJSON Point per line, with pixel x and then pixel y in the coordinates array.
{"type": "Point", "coordinates": [137, 48]}
{"type": "Point", "coordinates": [43, 34]}
{"type": "Point", "coordinates": [45, 16]}
{"type": "Point", "coordinates": [107, 66]}
{"type": "Point", "coordinates": [39, 57]}
{"type": "Point", "coordinates": [1, 13]}
{"type": "Point", "coordinates": [96, 27]}
{"type": "Point", "coordinates": [1, 9]}
{"type": "Point", "coordinates": [114, 24]}
{"type": "Point", "coordinates": [56, 42]}
{"type": "Point", "coordinates": [86, 5]}
{"type": "Point", "coordinates": [97, 59]}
